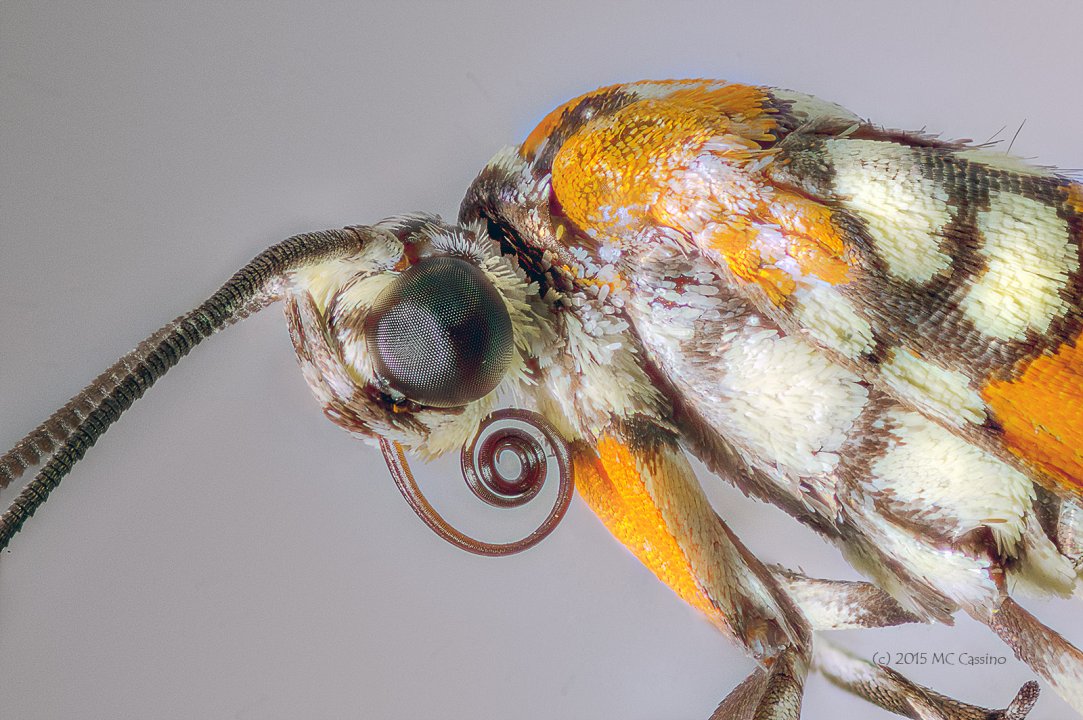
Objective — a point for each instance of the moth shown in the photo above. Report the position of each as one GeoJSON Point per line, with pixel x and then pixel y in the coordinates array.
{"type": "Point", "coordinates": [874, 330]}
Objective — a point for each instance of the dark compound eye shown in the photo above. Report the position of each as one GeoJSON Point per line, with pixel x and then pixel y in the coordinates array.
{"type": "Point", "coordinates": [440, 333]}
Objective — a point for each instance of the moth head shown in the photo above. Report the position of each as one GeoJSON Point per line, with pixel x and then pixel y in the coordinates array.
{"type": "Point", "coordinates": [439, 334]}
{"type": "Point", "coordinates": [415, 339]}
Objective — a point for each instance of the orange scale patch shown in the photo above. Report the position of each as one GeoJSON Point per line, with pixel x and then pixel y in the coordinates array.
{"type": "Point", "coordinates": [552, 121]}
{"type": "Point", "coordinates": [734, 241]}
{"type": "Point", "coordinates": [615, 285]}
{"type": "Point", "coordinates": [813, 260]}
{"type": "Point", "coordinates": [612, 176]}
{"type": "Point", "coordinates": [612, 485]}
{"type": "Point", "coordinates": [809, 220]}
{"type": "Point", "coordinates": [1041, 412]}
{"type": "Point", "coordinates": [610, 173]}
{"type": "Point", "coordinates": [815, 242]}
{"type": "Point", "coordinates": [809, 238]}
{"type": "Point", "coordinates": [635, 168]}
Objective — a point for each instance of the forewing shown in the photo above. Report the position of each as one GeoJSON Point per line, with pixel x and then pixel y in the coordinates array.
{"type": "Point", "coordinates": [965, 288]}
{"type": "Point", "coordinates": [947, 276]}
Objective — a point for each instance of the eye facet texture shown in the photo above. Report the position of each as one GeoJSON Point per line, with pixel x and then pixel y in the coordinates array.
{"type": "Point", "coordinates": [440, 334]}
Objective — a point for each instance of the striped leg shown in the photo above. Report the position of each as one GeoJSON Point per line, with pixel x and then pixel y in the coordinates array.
{"type": "Point", "coordinates": [840, 605]}
{"type": "Point", "coordinates": [773, 692]}
{"type": "Point", "coordinates": [1047, 653]}
{"type": "Point", "coordinates": [890, 690]}
{"type": "Point", "coordinates": [641, 486]}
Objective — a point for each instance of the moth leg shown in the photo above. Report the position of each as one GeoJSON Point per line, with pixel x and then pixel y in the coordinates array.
{"type": "Point", "coordinates": [877, 684]}
{"type": "Point", "coordinates": [1062, 521]}
{"type": "Point", "coordinates": [639, 483]}
{"type": "Point", "coordinates": [838, 605]}
{"type": "Point", "coordinates": [842, 604]}
{"type": "Point", "coordinates": [1043, 649]}
{"type": "Point", "coordinates": [773, 692]}
{"type": "Point", "coordinates": [892, 691]}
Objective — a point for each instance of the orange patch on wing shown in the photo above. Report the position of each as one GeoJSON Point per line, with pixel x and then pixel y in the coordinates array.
{"type": "Point", "coordinates": [612, 485]}
{"type": "Point", "coordinates": [688, 161]}
{"type": "Point", "coordinates": [735, 241]}
{"type": "Point", "coordinates": [1041, 412]}
{"type": "Point", "coordinates": [610, 173]}
{"type": "Point", "coordinates": [800, 240]}
{"type": "Point", "coordinates": [815, 241]}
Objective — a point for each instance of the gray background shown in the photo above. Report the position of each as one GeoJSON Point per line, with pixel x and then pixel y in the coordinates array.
{"type": "Point", "coordinates": [226, 552]}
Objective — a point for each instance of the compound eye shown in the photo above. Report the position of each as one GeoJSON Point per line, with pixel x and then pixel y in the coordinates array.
{"type": "Point", "coordinates": [440, 334]}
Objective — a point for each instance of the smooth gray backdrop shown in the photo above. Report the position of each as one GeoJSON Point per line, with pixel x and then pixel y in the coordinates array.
{"type": "Point", "coordinates": [225, 552]}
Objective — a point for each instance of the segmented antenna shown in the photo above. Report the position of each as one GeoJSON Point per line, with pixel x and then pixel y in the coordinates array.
{"type": "Point", "coordinates": [64, 438]}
